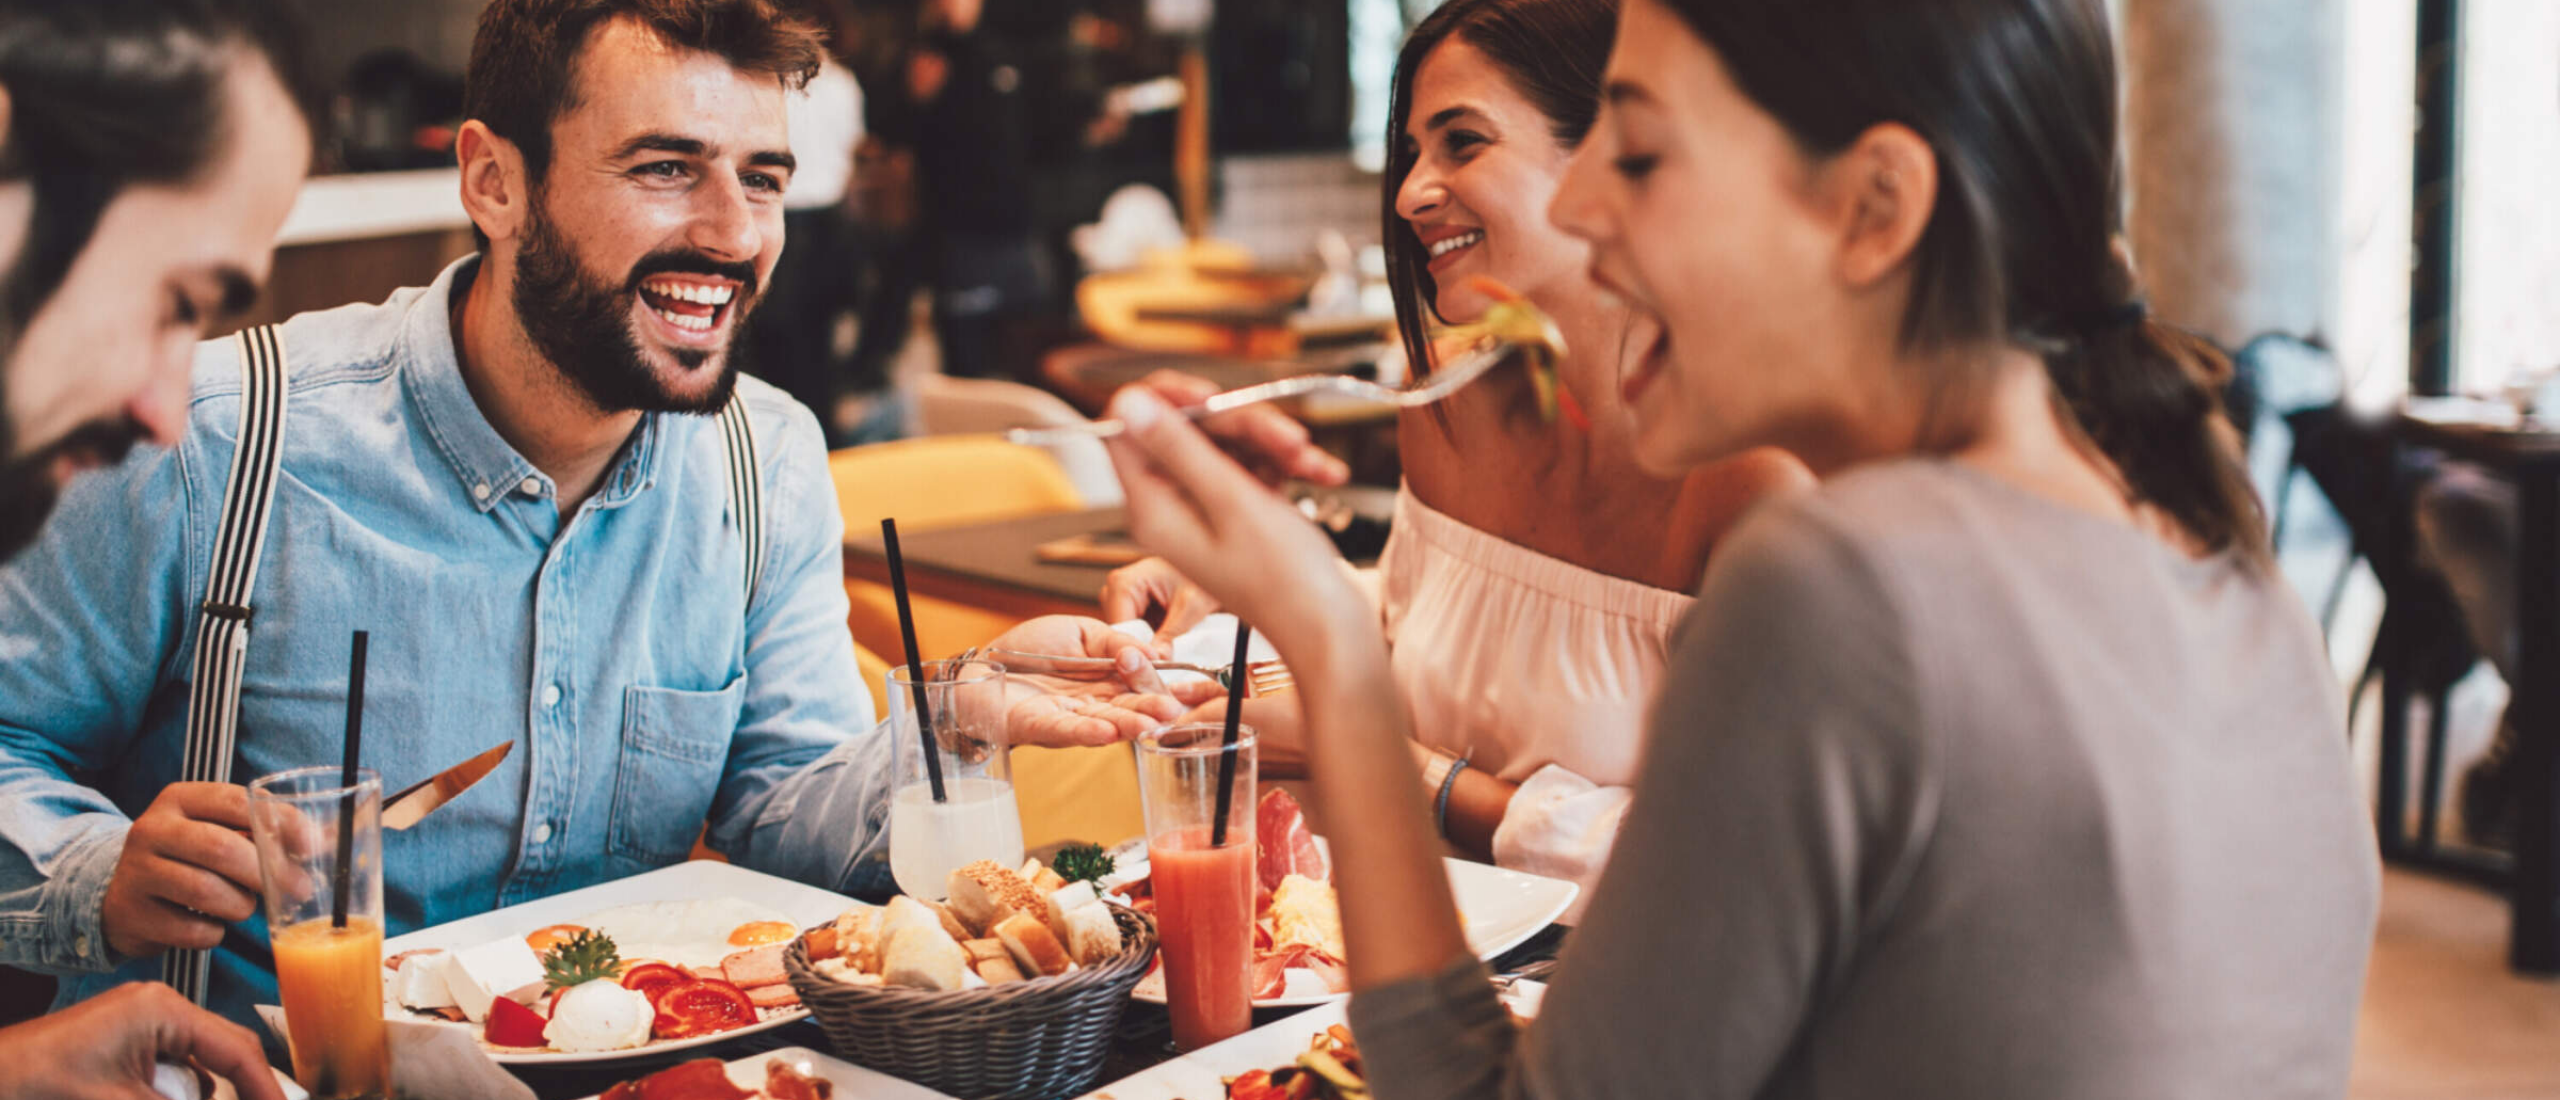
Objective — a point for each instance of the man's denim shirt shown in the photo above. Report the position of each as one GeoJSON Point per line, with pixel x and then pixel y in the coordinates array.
{"type": "Point", "coordinates": [646, 691]}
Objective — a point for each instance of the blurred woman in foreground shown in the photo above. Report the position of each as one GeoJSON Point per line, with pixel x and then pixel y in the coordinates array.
{"type": "Point", "coordinates": [2026, 776]}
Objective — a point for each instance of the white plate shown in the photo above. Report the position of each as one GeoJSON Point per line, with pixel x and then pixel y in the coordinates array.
{"type": "Point", "coordinates": [851, 1081]}
{"type": "Point", "coordinates": [805, 905]}
{"type": "Point", "coordinates": [1502, 909]}
{"type": "Point", "coordinates": [1202, 1074]}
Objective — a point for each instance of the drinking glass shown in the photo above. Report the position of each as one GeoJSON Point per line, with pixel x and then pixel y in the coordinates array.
{"type": "Point", "coordinates": [977, 818]}
{"type": "Point", "coordinates": [1204, 891]}
{"type": "Point", "coordinates": [319, 845]}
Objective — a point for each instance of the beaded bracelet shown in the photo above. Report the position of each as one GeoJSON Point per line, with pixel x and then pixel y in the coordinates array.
{"type": "Point", "coordinates": [1440, 806]}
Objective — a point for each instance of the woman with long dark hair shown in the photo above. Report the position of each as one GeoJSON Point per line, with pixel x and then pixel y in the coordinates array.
{"type": "Point", "coordinates": [1535, 571]}
{"type": "Point", "coordinates": [2027, 775]}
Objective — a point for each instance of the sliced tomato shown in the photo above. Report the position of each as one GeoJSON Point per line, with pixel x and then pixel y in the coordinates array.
{"type": "Point", "coordinates": [701, 1007]}
{"type": "Point", "coordinates": [514, 1025]}
{"type": "Point", "coordinates": [653, 978]}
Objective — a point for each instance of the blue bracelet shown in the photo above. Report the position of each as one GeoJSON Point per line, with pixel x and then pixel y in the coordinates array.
{"type": "Point", "coordinates": [1440, 806]}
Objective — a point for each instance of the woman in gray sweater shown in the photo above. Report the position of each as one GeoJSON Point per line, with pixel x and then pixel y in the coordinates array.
{"type": "Point", "coordinates": [2004, 765]}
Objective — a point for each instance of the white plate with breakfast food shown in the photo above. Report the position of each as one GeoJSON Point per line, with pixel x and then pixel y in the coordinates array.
{"type": "Point", "coordinates": [793, 1073]}
{"type": "Point", "coordinates": [676, 958]}
{"type": "Point", "coordinates": [1309, 1056]}
{"type": "Point", "coordinates": [1297, 942]}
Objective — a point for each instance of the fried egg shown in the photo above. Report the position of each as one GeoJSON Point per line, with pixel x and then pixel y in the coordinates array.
{"type": "Point", "coordinates": [691, 933]}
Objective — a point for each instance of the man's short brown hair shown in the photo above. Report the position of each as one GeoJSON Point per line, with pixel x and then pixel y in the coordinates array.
{"type": "Point", "coordinates": [524, 58]}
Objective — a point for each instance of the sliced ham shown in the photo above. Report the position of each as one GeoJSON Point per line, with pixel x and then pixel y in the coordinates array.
{"type": "Point", "coordinates": [708, 973]}
{"type": "Point", "coordinates": [755, 967]}
{"type": "Point", "coordinates": [392, 963]}
{"type": "Point", "coordinates": [1283, 844]}
{"type": "Point", "coordinates": [773, 996]}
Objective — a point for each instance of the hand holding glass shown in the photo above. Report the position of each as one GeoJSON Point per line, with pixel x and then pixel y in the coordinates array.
{"type": "Point", "coordinates": [977, 818]}
{"type": "Point", "coordinates": [324, 918]}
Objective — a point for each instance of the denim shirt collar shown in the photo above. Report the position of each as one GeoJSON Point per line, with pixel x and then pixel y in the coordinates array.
{"type": "Point", "coordinates": [488, 467]}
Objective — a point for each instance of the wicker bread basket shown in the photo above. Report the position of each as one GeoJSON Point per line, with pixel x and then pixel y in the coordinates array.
{"type": "Point", "coordinates": [1046, 1037]}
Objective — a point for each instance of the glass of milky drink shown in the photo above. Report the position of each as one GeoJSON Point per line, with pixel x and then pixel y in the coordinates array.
{"type": "Point", "coordinates": [975, 816]}
{"type": "Point", "coordinates": [319, 844]}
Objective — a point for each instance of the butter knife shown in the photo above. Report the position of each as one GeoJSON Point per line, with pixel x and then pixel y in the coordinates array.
{"type": "Point", "coordinates": [413, 804]}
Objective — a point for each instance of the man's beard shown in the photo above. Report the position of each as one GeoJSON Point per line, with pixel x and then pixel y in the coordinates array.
{"type": "Point", "coordinates": [586, 329]}
{"type": "Point", "coordinates": [27, 487]}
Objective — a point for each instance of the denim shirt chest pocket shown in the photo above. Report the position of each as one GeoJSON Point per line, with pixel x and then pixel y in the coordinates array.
{"type": "Point", "coordinates": [675, 747]}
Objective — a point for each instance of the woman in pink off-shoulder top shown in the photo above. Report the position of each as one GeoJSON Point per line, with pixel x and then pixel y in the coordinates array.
{"type": "Point", "coordinates": [1535, 571]}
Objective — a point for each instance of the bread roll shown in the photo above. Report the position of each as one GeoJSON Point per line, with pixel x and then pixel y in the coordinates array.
{"type": "Point", "coordinates": [902, 913]}
{"type": "Point", "coordinates": [1063, 900]}
{"type": "Point", "coordinates": [838, 969]}
{"type": "Point", "coordinates": [950, 921]}
{"type": "Point", "coordinates": [822, 943]}
{"type": "Point", "coordinates": [1093, 935]}
{"type": "Point", "coordinates": [980, 950]}
{"type": "Point", "coordinates": [983, 894]}
{"type": "Point", "coordinates": [1032, 946]}
{"type": "Point", "coordinates": [999, 970]}
{"type": "Point", "coordinates": [858, 938]}
{"type": "Point", "coordinates": [1043, 880]}
{"type": "Point", "coordinates": [922, 957]}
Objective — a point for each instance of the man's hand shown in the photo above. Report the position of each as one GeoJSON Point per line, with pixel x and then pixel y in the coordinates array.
{"type": "Point", "coordinates": [188, 870]}
{"type": "Point", "coordinates": [105, 1048]}
{"type": "Point", "coordinates": [1155, 591]}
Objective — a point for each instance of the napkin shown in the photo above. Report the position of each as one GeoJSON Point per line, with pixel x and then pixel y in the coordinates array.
{"type": "Point", "coordinates": [1212, 643]}
{"type": "Point", "coordinates": [431, 1061]}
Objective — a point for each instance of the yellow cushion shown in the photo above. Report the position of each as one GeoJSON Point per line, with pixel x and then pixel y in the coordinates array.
{"type": "Point", "coordinates": [942, 481]}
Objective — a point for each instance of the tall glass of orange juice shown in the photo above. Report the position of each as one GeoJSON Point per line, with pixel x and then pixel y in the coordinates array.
{"type": "Point", "coordinates": [320, 862]}
{"type": "Point", "coordinates": [1204, 883]}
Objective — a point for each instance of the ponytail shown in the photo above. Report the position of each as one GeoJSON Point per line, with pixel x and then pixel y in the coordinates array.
{"type": "Point", "coordinates": [2149, 397]}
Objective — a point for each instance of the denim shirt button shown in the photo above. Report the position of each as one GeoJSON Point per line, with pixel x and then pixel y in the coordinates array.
{"type": "Point", "coordinates": [80, 945]}
{"type": "Point", "coordinates": [550, 695]}
{"type": "Point", "coordinates": [480, 491]}
{"type": "Point", "coordinates": [542, 833]}
{"type": "Point", "coordinates": [532, 486]}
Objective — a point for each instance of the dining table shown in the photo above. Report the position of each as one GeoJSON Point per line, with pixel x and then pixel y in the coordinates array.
{"type": "Point", "coordinates": [995, 566]}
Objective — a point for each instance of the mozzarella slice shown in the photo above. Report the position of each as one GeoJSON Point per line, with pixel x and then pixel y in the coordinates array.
{"type": "Point", "coordinates": [475, 976]}
{"type": "Point", "coordinates": [420, 982]}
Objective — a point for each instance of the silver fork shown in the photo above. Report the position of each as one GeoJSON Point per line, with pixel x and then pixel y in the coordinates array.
{"type": "Point", "coordinates": [1450, 378]}
{"type": "Point", "coordinates": [1261, 677]}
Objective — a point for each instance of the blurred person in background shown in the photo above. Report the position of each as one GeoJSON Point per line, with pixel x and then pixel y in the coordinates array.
{"type": "Point", "coordinates": [1535, 570]}
{"type": "Point", "coordinates": [955, 105]}
{"type": "Point", "coordinates": [791, 342]}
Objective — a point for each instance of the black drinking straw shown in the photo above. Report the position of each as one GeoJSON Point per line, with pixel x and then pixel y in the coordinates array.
{"type": "Point", "coordinates": [915, 657]}
{"type": "Point", "coordinates": [1236, 677]}
{"type": "Point", "coordinates": [343, 878]}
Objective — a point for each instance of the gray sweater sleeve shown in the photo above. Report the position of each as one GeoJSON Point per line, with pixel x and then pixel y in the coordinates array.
{"type": "Point", "coordinates": [1784, 798]}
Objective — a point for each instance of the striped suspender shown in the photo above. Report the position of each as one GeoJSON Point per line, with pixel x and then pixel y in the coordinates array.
{"type": "Point", "coordinates": [222, 623]}
{"type": "Point", "coordinates": [746, 489]}
{"type": "Point", "coordinates": [222, 627]}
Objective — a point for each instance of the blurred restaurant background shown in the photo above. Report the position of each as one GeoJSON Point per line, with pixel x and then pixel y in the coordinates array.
{"type": "Point", "coordinates": [997, 229]}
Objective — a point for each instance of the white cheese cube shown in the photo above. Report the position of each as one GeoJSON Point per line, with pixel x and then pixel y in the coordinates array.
{"type": "Point", "coordinates": [505, 968]}
{"type": "Point", "coordinates": [420, 982]}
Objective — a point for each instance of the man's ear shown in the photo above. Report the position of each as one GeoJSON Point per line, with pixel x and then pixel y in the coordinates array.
{"type": "Point", "coordinates": [495, 191]}
{"type": "Point", "coordinates": [1887, 183]}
